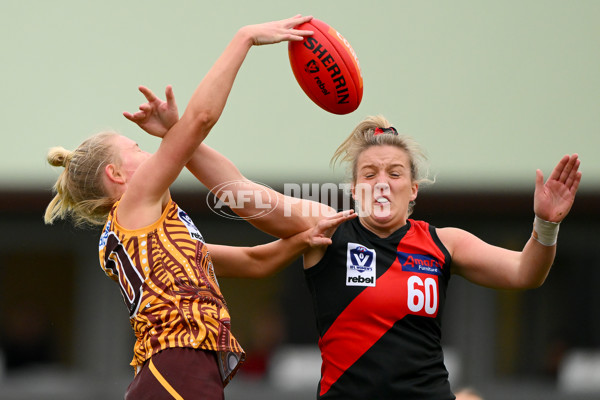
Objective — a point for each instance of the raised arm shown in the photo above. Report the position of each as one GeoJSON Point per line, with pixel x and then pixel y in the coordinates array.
{"type": "Point", "coordinates": [146, 192]}
{"type": "Point", "coordinates": [289, 215]}
{"type": "Point", "coordinates": [497, 267]}
{"type": "Point", "coordinates": [286, 215]}
{"type": "Point", "coordinates": [267, 259]}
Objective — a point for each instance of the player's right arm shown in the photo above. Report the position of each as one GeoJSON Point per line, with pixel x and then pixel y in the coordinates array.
{"type": "Point", "coordinates": [266, 259]}
{"type": "Point", "coordinates": [288, 215]}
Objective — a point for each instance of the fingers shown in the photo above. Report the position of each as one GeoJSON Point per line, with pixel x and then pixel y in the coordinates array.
{"type": "Point", "coordinates": [148, 94]}
{"type": "Point", "coordinates": [322, 241]}
{"type": "Point", "coordinates": [559, 168]}
{"type": "Point", "coordinates": [128, 115]}
{"type": "Point", "coordinates": [567, 172]}
{"type": "Point", "coordinates": [337, 219]}
{"type": "Point", "coordinates": [169, 95]}
{"type": "Point", "coordinates": [574, 178]}
{"type": "Point", "coordinates": [570, 171]}
{"type": "Point", "coordinates": [140, 115]}
{"type": "Point", "coordinates": [566, 168]}
{"type": "Point", "coordinates": [296, 35]}
{"type": "Point", "coordinates": [575, 184]}
{"type": "Point", "coordinates": [297, 20]}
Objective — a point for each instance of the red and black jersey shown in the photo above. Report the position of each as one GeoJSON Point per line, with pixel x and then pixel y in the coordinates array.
{"type": "Point", "coordinates": [378, 304]}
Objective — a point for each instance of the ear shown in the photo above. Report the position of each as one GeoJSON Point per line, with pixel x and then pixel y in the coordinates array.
{"type": "Point", "coordinates": [414, 191]}
{"type": "Point", "coordinates": [353, 190]}
{"type": "Point", "coordinates": [114, 174]}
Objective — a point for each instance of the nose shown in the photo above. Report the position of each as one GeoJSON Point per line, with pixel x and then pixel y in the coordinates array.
{"type": "Point", "coordinates": [381, 188]}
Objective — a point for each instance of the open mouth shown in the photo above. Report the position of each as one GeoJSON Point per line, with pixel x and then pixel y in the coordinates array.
{"type": "Point", "coordinates": [382, 200]}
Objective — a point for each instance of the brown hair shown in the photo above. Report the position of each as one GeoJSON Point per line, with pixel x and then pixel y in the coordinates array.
{"type": "Point", "coordinates": [79, 190]}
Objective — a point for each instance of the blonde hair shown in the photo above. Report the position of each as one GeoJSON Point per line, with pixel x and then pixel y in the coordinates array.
{"type": "Point", "coordinates": [363, 136]}
{"type": "Point", "coordinates": [79, 190]}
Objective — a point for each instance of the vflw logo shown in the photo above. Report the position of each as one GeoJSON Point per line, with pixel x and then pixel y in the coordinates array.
{"type": "Point", "coordinates": [189, 224]}
{"type": "Point", "coordinates": [360, 266]}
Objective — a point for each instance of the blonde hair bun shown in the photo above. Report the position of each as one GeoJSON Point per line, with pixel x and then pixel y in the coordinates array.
{"type": "Point", "coordinates": [59, 156]}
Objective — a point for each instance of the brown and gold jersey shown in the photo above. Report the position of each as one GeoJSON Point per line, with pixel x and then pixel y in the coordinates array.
{"type": "Point", "coordinates": [170, 289]}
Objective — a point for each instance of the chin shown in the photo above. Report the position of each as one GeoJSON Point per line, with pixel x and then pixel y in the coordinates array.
{"type": "Point", "coordinates": [387, 217]}
{"type": "Point", "coordinates": [382, 213]}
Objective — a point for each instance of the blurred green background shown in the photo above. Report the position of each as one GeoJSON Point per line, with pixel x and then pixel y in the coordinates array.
{"type": "Point", "coordinates": [492, 90]}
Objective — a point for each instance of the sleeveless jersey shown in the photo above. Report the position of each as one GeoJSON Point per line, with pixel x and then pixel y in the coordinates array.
{"type": "Point", "coordinates": [378, 304]}
{"type": "Point", "coordinates": [170, 289]}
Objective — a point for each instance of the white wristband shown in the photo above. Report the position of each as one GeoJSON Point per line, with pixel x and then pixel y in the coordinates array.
{"type": "Point", "coordinates": [545, 232]}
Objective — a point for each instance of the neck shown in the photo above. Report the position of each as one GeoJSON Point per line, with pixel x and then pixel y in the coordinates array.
{"type": "Point", "coordinates": [383, 231]}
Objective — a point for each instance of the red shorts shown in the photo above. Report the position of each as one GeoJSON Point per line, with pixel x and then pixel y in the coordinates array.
{"type": "Point", "coordinates": [178, 373]}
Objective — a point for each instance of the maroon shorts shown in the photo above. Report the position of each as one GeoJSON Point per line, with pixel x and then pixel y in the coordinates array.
{"type": "Point", "coordinates": [178, 373]}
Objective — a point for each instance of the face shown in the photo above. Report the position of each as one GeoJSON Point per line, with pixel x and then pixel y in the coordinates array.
{"type": "Point", "coordinates": [130, 154]}
{"type": "Point", "coordinates": [384, 188]}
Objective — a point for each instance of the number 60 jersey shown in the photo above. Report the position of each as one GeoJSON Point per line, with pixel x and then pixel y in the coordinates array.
{"type": "Point", "coordinates": [378, 304]}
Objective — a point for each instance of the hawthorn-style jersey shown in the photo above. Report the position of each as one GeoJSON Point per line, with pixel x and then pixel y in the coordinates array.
{"type": "Point", "coordinates": [170, 289]}
{"type": "Point", "coordinates": [378, 304]}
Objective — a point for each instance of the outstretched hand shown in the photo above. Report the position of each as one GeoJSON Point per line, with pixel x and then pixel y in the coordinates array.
{"type": "Point", "coordinates": [320, 234]}
{"type": "Point", "coordinates": [156, 116]}
{"type": "Point", "coordinates": [553, 199]}
{"type": "Point", "coordinates": [278, 31]}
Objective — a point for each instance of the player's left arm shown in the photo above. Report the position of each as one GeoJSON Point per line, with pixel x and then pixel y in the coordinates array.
{"type": "Point", "coordinates": [267, 259]}
{"type": "Point", "coordinates": [496, 267]}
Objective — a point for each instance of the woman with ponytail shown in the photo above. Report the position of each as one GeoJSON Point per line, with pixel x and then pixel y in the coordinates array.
{"type": "Point", "coordinates": [379, 288]}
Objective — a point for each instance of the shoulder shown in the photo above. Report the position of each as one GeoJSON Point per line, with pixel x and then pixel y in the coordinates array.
{"type": "Point", "coordinates": [453, 237]}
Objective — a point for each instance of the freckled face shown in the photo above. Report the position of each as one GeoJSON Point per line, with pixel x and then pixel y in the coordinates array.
{"type": "Point", "coordinates": [384, 187]}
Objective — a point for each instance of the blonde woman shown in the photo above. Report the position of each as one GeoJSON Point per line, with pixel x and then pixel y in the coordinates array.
{"type": "Point", "coordinates": [379, 288]}
{"type": "Point", "coordinates": [153, 250]}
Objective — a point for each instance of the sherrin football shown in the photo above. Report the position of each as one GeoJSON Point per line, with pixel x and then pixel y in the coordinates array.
{"type": "Point", "coordinates": [326, 68]}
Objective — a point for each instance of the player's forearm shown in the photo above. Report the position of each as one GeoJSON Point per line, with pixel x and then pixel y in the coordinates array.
{"type": "Point", "coordinates": [258, 261]}
{"type": "Point", "coordinates": [209, 98]}
{"type": "Point", "coordinates": [280, 216]}
{"type": "Point", "coordinates": [212, 168]}
{"type": "Point", "coordinates": [535, 263]}
{"type": "Point", "coordinates": [273, 257]}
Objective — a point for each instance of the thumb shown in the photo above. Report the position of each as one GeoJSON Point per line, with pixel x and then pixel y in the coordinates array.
{"type": "Point", "coordinates": [321, 241]}
{"type": "Point", "coordinates": [539, 179]}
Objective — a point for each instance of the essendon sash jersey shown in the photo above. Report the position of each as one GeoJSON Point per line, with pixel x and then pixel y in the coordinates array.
{"type": "Point", "coordinates": [169, 287]}
{"type": "Point", "coordinates": [378, 304]}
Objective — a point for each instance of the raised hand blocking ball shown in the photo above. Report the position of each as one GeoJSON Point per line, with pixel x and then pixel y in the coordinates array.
{"type": "Point", "coordinates": [326, 68]}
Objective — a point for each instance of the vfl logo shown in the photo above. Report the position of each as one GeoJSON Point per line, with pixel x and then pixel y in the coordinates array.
{"type": "Point", "coordinates": [311, 67]}
{"type": "Point", "coordinates": [189, 224]}
{"type": "Point", "coordinates": [360, 265]}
